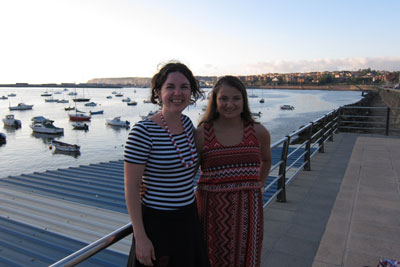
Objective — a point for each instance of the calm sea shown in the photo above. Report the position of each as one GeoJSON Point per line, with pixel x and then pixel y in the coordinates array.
{"type": "Point", "coordinates": [26, 152]}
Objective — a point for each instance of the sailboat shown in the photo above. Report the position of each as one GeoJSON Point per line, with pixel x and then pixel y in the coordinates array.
{"type": "Point", "coordinates": [262, 100]}
{"type": "Point", "coordinates": [252, 94]}
{"type": "Point", "coordinates": [81, 99]}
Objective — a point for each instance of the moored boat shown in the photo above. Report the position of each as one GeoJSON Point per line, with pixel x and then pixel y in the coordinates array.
{"type": "Point", "coordinates": [38, 119]}
{"type": "Point", "coordinates": [3, 138]}
{"type": "Point", "coordinates": [46, 127]}
{"type": "Point", "coordinates": [132, 103]}
{"type": "Point", "coordinates": [80, 126]}
{"type": "Point", "coordinates": [62, 146]}
{"type": "Point", "coordinates": [126, 99]}
{"type": "Point", "coordinates": [11, 121]}
{"type": "Point", "coordinates": [118, 122]}
{"type": "Point", "coordinates": [91, 104]}
{"type": "Point", "coordinates": [96, 112]}
{"type": "Point", "coordinates": [21, 106]}
{"type": "Point", "coordinates": [256, 114]}
{"type": "Point", "coordinates": [81, 99]}
{"type": "Point", "coordinates": [3, 97]}
{"type": "Point", "coordinates": [79, 117]}
{"type": "Point", "coordinates": [151, 113]}
{"type": "Point", "coordinates": [287, 107]}
{"type": "Point", "coordinates": [69, 108]}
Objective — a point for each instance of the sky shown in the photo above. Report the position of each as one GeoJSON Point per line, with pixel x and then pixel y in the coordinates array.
{"type": "Point", "coordinates": [55, 41]}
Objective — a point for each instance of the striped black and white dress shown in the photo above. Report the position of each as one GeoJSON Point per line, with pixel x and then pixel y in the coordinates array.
{"type": "Point", "coordinates": [169, 184]}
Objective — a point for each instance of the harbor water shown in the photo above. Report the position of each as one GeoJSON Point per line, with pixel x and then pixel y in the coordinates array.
{"type": "Point", "coordinates": [27, 152]}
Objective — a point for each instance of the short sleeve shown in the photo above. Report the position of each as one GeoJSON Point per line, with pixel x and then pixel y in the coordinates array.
{"type": "Point", "coordinates": [138, 145]}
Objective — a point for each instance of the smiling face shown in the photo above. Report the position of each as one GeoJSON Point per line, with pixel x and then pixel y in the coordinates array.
{"type": "Point", "coordinates": [229, 102]}
{"type": "Point", "coordinates": [175, 93]}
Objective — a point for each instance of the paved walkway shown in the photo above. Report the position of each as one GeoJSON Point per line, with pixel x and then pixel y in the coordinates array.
{"type": "Point", "coordinates": [344, 212]}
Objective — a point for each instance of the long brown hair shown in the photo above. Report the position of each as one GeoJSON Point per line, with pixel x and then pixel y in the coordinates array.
{"type": "Point", "coordinates": [212, 113]}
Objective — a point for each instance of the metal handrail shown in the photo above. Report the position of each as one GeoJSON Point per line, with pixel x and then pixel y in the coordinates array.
{"type": "Point", "coordinates": [330, 125]}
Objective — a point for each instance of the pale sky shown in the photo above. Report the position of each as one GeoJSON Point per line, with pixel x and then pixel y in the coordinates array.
{"type": "Point", "coordinates": [46, 41]}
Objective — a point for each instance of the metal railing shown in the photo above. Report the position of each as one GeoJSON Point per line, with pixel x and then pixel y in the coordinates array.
{"type": "Point", "coordinates": [297, 150]}
{"type": "Point", "coordinates": [384, 120]}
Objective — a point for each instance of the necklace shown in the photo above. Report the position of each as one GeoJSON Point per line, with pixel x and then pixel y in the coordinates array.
{"type": "Point", "coordinates": [183, 161]}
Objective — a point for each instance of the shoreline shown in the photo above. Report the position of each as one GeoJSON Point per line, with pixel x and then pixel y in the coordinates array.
{"type": "Point", "coordinates": [343, 87]}
{"type": "Point", "coordinates": [321, 87]}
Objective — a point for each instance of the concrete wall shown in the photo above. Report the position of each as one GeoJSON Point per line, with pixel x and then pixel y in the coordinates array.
{"type": "Point", "coordinates": [391, 98]}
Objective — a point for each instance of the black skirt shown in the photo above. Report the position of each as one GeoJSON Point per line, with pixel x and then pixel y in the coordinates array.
{"type": "Point", "coordinates": [176, 236]}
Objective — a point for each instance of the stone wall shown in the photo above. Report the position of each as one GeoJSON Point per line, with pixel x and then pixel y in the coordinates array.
{"type": "Point", "coordinates": [391, 98]}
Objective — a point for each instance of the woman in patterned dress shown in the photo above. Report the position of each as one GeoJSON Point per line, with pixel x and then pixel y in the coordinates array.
{"type": "Point", "coordinates": [160, 153]}
{"type": "Point", "coordinates": [235, 159]}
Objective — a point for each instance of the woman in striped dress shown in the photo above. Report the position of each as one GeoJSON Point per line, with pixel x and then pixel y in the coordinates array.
{"type": "Point", "coordinates": [160, 153]}
{"type": "Point", "coordinates": [235, 160]}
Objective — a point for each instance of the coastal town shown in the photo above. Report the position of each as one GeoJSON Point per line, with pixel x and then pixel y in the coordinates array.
{"type": "Point", "coordinates": [340, 80]}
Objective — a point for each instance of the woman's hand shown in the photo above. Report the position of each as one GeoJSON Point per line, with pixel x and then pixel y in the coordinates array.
{"type": "Point", "coordinates": [142, 190]}
{"type": "Point", "coordinates": [144, 251]}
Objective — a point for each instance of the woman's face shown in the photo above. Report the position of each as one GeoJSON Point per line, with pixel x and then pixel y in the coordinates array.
{"type": "Point", "coordinates": [229, 102]}
{"type": "Point", "coordinates": [175, 92]}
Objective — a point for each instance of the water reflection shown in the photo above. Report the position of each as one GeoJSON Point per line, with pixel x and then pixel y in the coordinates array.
{"type": "Point", "coordinates": [46, 138]}
{"type": "Point", "coordinates": [10, 129]}
{"type": "Point", "coordinates": [74, 154]}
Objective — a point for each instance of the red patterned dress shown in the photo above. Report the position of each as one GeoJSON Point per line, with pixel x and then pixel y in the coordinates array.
{"type": "Point", "coordinates": [229, 199]}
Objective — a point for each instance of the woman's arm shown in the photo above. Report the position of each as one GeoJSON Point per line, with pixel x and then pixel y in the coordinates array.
{"type": "Point", "coordinates": [264, 139]}
{"type": "Point", "coordinates": [133, 179]}
{"type": "Point", "coordinates": [199, 140]}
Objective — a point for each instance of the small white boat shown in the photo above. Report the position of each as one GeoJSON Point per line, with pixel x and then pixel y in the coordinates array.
{"type": "Point", "coordinates": [80, 126]}
{"type": "Point", "coordinates": [3, 97]}
{"type": "Point", "coordinates": [119, 94]}
{"type": "Point", "coordinates": [109, 97]}
{"type": "Point", "coordinates": [65, 146]}
{"type": "Point", "coordinates": [10, 121]}
{"type": "Point", "coordinates": [38, 119]}
{"type": "Point", "coordinates": [91, 104]}
{"type": "Point", "coordinates": [72, 93]}
{"type": "Point", "coordinates": [262, 100]}
{"type": "Point", "coordinates": [46, 127]}
{"type": "Point", "coordinates": [287, 107]}
{"type": "Point", "coordinates": [256, 114]}
{"type": "Point", "coordinates": [146, 101]}
{"type": "Point", "coordinates": [12, 94]}
{"type": "Point", "coordinates": [21, 106]}
{"type": "Point", "coordinates": [63, 101]}
{"type": "Point", "coordinates": [118, 122]}
{"type": "Point", "coordinates": [151, 113]}
{"type": "Point", "coordinates": [126, 99]}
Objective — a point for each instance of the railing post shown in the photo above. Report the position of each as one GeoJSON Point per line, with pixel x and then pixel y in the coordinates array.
{"type": "Point", "coordinates": [307, 156]}
{"type": "Point", "coordinates": [321, 141]}
{"type": "Point", "coordinates": [337, 114]}
{"type": "Point", "coordinates": [387, 120]}
{"type": "Point", "coordinates": [281, 197]}
{"type": "Point", "coordinates": [331, 129]}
